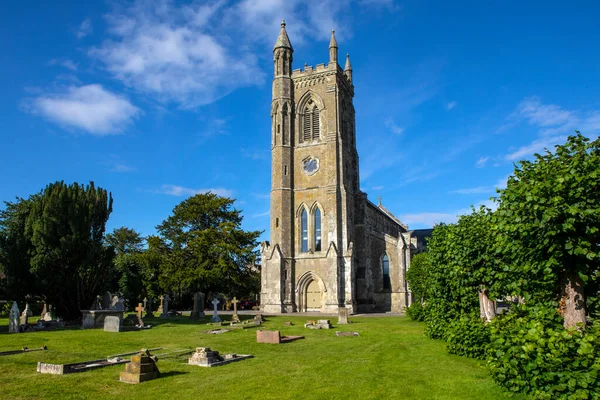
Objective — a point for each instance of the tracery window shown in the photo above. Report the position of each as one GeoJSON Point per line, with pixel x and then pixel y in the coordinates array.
{"type": "Point", "coordinates": [304, 228]}
{"type": "Point", "coordinates": [311, 124]}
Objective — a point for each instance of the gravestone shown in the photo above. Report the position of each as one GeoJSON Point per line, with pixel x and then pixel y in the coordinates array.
{"type": "Point", "coordinates": [205, 357]}
{"type": "Point", "coordinates": [148, 307]}
{"type": "Point", "coordinates": [13, 319]}
{"type": "Point", "coordinates": [49, 314]}
{"type": "Point", "coordinates": [164, 302]}
{"type": "Point", "coordinates": [320, 324]}
{"type": "Point", "coordinates": [215, 317]}
{"type": "Point", "coordinates": [117, 304]}
{"type": "Point", "coordinates": [112, 324]}
{"type": "Point", "coordinates": [106, 300]}
{"type": "Point", "coordinates": [24, 317]}
{"type": "Point", "coordinates": [235, 318]}
{"type": "Point", "coordinates": [44, 311]}
{"type": "Point", "coordinates": [141, 368]}
{"type": "Point", "coordinates": [258, 319]}
{"type": "Point", "coordinates": [274, 337]}
{"type": "Point", "coordinates": [159, 310]}
{"type": "Point", "coordinates": [343, 316]}
{"type": "Point", "coordinates": [198, 310]}
{"type": "Point", "coordinates": [140, 310]}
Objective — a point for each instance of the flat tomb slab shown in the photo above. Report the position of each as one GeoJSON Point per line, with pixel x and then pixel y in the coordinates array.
{"type": "Point", "coordinates": [205, 357]}
{"type": "Point", "coordinates": [338, 333]}
{"type": "Point", "coordinates": [63, 369]}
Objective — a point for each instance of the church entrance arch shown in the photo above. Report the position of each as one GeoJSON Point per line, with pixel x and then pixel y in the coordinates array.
{"type": "Point", "coordinates": [310, 292]}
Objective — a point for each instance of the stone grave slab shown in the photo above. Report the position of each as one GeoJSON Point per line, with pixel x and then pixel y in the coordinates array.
{"type": "Point", "coordinates": [205, 357]}
{"type": "Point", "coordinates": [346, 333]}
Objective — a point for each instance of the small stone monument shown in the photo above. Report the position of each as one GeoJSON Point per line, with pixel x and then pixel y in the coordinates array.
{"type": "Point", "coordinates": [148, 307]}
{"type": "Point", "coordinates": [320, 324]}
{"type": "Point", "coordinates": [13, 319]}
{"type": "Point", "coordinates": [215, 317]}
{"type": "Point", "coordinates": [117, 304]}
{"type": "Point", "coordinates": [25, 315]}
{"type": "Point", "coordinates": [164, 303]}
{"type": "Point", "coordinates": [343, 316]}
{"type": "Point", "coordinates": [198, 310]}
{"type": "Point", "coordinates": [112, 324]}
{"type": "Point", "coordinates": [44, 311]}
{"type": "Point", "coordinates": [235, 318]}
{"type": "Point", "coordinates": [141, 368]}
{"type": "Point", "coordinates": [258, 319]}
{"type": "Point", "coordinates": [205, 357]}
{"type": "Point", "coordinates": [140, 310]}
{"type": "Point", "coordinates": [49, 314]}
{"type": "Point", "coordinates": [106, 300]}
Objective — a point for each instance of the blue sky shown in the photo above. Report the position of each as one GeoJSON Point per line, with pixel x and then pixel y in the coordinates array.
{"type": "Point", "coordinates": [158, 100]}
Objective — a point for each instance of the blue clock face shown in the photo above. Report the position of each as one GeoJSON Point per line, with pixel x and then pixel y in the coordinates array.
{"type": "Point", "coordinates": [310, 165]}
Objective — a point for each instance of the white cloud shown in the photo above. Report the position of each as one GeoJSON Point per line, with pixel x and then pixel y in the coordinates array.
{"type": "Point", "coordinates": [554, 123]}
{"type": "Point", "coordinates": [481, 162]}
{"type": "Point", "coordinates": [391, 125]}
{"type": "Point", "coordinates": [474, 190]}
{"type": "Point", "coordinates": [68, 64]}
{"type": "Point", "coordinates": [175, 190]}
{"type": "Point", "coordinates": [85, 28]}
{"type": "Point", "coordinates": [450, 105]}
{"type": "Point", "coordinates": [90, 108]}
{"type": "Point", "coordinates": [122, 168]}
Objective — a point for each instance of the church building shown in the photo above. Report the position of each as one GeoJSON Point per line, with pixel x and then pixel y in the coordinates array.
{"type": "Point", "coordinates": [330, 246]}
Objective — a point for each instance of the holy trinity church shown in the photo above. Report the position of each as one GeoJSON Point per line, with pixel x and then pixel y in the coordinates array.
{"type": "Point", "coordinates": [330, 246]}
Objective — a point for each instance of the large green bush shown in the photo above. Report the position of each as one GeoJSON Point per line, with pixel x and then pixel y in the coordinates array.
{"type": "Point", "coordinates": [531, 352]}
{"type": "Point", "coordinates": [416, 311]}
{"type": "Point", "coordinates": [468, 336]}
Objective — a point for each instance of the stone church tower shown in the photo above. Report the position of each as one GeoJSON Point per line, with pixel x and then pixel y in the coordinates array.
{"type": "Point", "coordinates": [330, 247]}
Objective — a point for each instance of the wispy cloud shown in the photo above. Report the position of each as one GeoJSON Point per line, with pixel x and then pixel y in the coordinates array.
{"type": "Point", "coordinates": [391, 125]}
{"type": "Point", "coordinates": [90, 108]}
{"type": "Point", "coordinates": [554, 124]}
{"type": "Point", "coordinates": [85, 28]}
{"type": "Point", "coordinates": [450, 105]}
{"type": "Point", "coordinates": [500, 184]}
{"type": "Point", "coordinates": [260, 215]}
{"type": "Point", "coordinates": [175, 190]}
{"type": "Point", "coordinates": [66, 63]}
{"type": "Point", "coordinates": [213, 128]}
{"type": "Point", "coordinates": [118, 167]}
{"type": "Point", "coordinates": [481, 162]}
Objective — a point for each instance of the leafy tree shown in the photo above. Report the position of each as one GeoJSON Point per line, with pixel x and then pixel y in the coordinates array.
{"type": "Point", "coordinates": [204, 247]}
{"type": "Point", "coordinates": [548, 224]}
{"type": "Point", "coordinates": [127, 264]}
{"type": "Point", "coordinates": [54, 242]}
{"type": "Point", "coordinates": [125, 240]}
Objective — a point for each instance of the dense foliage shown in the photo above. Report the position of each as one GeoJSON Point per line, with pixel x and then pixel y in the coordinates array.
{"type": "Point", "coordinates": [539, 252]}
{"type": "Point", "coordinates": [53, 248]}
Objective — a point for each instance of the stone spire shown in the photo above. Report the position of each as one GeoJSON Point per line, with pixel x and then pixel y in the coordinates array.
{"type": "Point", "coordinates": [283, 40]}
{"type": "Point", "coordinates": [333, 49]}
{"type": "Point", "coordinates": [348, 68]}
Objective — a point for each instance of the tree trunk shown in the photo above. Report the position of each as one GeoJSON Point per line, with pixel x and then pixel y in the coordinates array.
{"type": "Point", "coordinates": [487, 307]}
{"type": "Point", "coordinates": [572, 305]}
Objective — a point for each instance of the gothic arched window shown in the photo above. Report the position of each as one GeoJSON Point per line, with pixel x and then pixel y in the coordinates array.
{"type": "Point", "coordinates": [304, 228]}
{"type": "Point", "coordinates": [317, 229]}
{"type": "Point", "coordinates": [385, 266]}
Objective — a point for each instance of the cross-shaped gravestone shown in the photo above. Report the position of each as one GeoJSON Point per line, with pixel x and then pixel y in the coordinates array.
{"type": "Point", "coordinates": [164, 301]}
{"type": "Point", "coordinates": [215, 317]}
{"type": "Point", "coordinates": [140, 310]}
{"type": "Point", "coordinates": [235, 317]}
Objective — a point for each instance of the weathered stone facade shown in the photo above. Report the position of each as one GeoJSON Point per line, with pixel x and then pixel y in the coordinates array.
{"type": "Point", "coordinates": [330, 247]}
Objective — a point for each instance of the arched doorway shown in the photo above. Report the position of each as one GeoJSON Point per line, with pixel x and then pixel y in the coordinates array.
{"type": "Point", "coordinates": [313, 297]}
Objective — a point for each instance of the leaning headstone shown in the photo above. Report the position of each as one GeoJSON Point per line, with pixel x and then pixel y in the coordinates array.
{"type": "Point", "coordinates": [112, 324]}
{"type": "Point", "coordinates": [13, 319]}
{"type": "Point", "coordinates": [198, 310]}
{"type": "Point", "coordinates": [106, 300]}
{"type": "Point", "coordinates": [343, 316]}
{"type": "Point", "coordinates": [215, 317]}
{"type": "Point", "coordinates": [235, 318]}
{"type": "Point", "coordinates": [141, 368]}
{"type": "Point", "coordinates": [164, 302]}
{"type": "Point", "coordinates": [140, 310]}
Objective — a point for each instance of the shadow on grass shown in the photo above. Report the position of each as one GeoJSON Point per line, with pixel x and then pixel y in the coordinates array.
{"type": "Point", "coordinates": [170, 373]}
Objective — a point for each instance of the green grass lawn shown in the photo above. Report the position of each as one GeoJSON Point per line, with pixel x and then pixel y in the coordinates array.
{"type": "Point", "coordinates": [391, 359]}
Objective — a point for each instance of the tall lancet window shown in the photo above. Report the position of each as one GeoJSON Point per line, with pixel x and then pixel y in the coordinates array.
{"type": "Point", "coordinates": [317, 230]}
{"type": "Point", "coordinates": [315, 123]}
{"type": "Point", "coordinates": [385, 264]}
{"type": "Point", "coordinates": [304, 228]}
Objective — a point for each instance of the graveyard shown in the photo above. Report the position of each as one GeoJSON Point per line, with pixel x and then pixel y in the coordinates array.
{"type": "Point", "coordinates": [390, 359]}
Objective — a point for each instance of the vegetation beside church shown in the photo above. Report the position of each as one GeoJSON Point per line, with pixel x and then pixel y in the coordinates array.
{"type": "Point", "coordinates": [53, 247]}
{"type": "Point", "coordinates": [539, 251]}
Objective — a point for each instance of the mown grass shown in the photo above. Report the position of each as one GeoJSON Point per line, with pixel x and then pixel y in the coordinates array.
{"type": "Point", "coordinates": [391, 359]}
